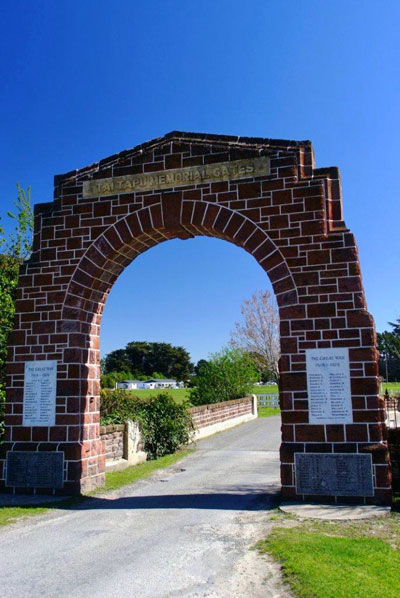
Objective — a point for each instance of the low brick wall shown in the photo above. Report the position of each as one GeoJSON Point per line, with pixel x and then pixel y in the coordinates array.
{"type": "Point", "coordinates": [209, 419]}
{"type": "Point", "coordinates": [207, 415]}
{"type": "Point", "coordinates": [113, 441]}
{"type": "Point", "coordinates": [394, 449]}
{"type": "Point", "coordinates": [123, 446]}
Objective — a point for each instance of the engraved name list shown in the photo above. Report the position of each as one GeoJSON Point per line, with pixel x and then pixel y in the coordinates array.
{"type": "Point", "coordinates": [328, 383]}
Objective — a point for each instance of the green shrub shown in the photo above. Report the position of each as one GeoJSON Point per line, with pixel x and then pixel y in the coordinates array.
{"type": "Point", "coordinates": [117, 406]}
{"type": "Point", "coordinates": [228, 375]}
{"type": "Point", "coordinates": [164, 424]}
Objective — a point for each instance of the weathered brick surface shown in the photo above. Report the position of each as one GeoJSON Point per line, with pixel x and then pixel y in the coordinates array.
{"type": "Point", "coordinates": [290, 221]}
{"type": "Point", "coordinates": [112, 437]}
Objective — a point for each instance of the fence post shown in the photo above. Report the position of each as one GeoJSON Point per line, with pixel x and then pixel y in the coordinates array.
{"type": "Point", "coordinates": [255, 405]}
{"type": "Point", "coordinates": [132, 440]}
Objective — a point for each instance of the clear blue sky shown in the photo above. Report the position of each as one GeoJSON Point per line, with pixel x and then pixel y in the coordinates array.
{"type": "Point", "coordinates": [81, 80]}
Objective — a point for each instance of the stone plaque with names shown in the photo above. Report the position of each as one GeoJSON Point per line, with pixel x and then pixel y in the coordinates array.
{"type": "Point", "coordinates": [334, 475]}
{"type": "Point", "coordinates": [35, 470]}
{"type": "Point", "coordinates": [328, 384]}
{"type": "Point", "coordinates": [178, 177]}
{"type": "Point", "coordinates": [40, 393]}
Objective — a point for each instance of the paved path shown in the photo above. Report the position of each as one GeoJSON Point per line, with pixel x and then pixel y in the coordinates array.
{"type": "Point", "coordinates": [183, 533]}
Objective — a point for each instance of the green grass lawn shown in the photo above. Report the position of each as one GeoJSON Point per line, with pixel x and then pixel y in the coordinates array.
{"type": "Point", "coordinates": [178, 394]}
{"type": "Point", "coordinates": [390, 386]}
{"type": "Point", "coordinates": [266, 389]}
{"type": "Point", "coordinates": [268, 411]}
{"type": "Point", "coordinates": [339, 560]}
{"type": "Point", "coordinates": [182, 394]}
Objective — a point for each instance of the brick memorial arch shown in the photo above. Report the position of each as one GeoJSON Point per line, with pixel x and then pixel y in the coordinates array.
{"type": "Point", "coordinates": [263, 195]}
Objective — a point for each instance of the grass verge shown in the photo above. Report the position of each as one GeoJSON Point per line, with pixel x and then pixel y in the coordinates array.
{"type": "Point", "coordinates": [268, 411]}
{"type": "Point", "coordinates": [117, 479]}
{"type": "Point", "coordinates": [114, 480]}
{"type": "Point", "coordinates": [11, 514]}
{"type": "Point", "coordinates": [338, 560]}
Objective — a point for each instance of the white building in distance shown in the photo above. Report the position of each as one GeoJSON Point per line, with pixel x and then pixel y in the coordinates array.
{"type": "Point", "coordinates": [153, 383]}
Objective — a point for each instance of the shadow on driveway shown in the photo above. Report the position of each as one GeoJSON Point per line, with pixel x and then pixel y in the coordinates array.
{"type": "Point", "coordinates": [224, 501]}
{"type": "Point", "coordinates": [241, 499]}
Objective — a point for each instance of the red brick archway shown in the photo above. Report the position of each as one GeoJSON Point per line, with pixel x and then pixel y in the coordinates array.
{"type": "Point", "coordinates": [288, 217]}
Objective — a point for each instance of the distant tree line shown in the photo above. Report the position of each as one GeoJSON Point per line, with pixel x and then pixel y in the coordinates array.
{"type": "Point", "coordinates": [140, 360]}
{"type": "Point", "coordinates": [389, 352]}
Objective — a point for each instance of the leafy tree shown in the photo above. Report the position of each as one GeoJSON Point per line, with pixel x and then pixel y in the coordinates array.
{"type": "Point", "coordinates": [14, 250]}
{"type": "Point", "coordinates": [157, 376]}
{"type": "Point", "coordinates": [146, 359]}
{"type": "Point", "coordinates": [389, 352]}
{"type": "Point", "coordinates": [396, 327]}
{"type": "Point", "coordinates": [258, 333]}
{"type": "Point", "coordinates": [116, 361]}
{"type": "Point", "coordinates": [201, 364]}
{"type": "Point", "coordinates": [228, 375]}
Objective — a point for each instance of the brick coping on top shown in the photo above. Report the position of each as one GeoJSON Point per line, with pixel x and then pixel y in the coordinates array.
{"type": "Point", "coordinates": [212, 406]}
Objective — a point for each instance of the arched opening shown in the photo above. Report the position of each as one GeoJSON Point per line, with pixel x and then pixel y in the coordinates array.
{"type": "Point", "coordinates": [186, 293]}
{"type": "Point", "coordinates": [113, 251]}
{"type": "Point", "coordinates": [138, 308]}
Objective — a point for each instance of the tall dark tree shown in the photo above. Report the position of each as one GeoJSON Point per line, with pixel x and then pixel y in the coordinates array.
{"type": "Point", "coordinates": [201, 364]}
{"type": "Point", "coordinates": [144, 358]}
{"type": "Point", "coordinates": [389, 352]}
{"type": "Point", "coordinates": [396, 327]}
{"type": "Point", "coordinates": [117, 361]}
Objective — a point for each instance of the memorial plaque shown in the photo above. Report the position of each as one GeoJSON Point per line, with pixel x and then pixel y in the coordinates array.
{"type": "Point", "coordinates": [328, 384]}
{"type": "Point", "coordinates": [35, 470]}
{"type": "Point", "coordinates": [40, 393]}
{"type": "Point", "coordinates": [334, 475]}
{"type": "Point", "coordinates": [178, 177]}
